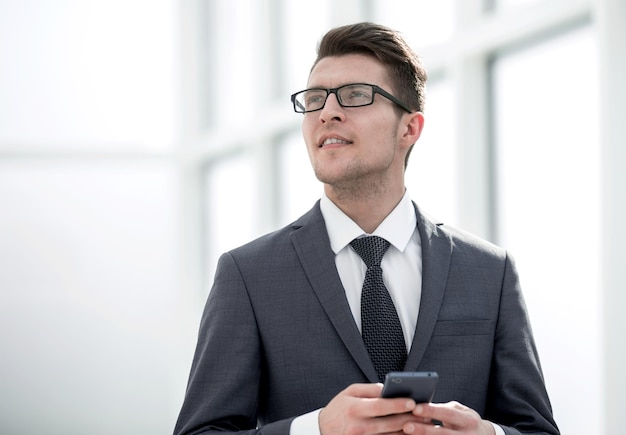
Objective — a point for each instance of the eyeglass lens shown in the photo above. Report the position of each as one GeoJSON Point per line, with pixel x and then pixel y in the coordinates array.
{"type": "Point", "coordinates": [348, 96]}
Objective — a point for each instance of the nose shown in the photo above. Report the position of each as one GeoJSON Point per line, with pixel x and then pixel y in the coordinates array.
{"type": "Point", "coordinates": [332, 110]}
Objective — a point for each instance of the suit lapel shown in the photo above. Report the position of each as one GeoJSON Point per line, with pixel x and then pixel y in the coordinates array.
{"type": "Point", "coordinates": [311, 243]}
{"type": "Point", "coordinates": [436, 256]}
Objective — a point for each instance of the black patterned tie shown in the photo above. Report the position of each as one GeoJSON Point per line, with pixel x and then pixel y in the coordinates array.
{"type": "Point", "coordinates": [380, 325]}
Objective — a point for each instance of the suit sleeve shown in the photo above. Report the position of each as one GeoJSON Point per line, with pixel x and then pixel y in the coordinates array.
{"type": "Point", "coordinates": [518, 400]}
{"type": "Point", "coordinates": [226, 376]}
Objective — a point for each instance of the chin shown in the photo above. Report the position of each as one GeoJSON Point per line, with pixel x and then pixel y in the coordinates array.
{"type": "Point", "coordinates": [339, 179]}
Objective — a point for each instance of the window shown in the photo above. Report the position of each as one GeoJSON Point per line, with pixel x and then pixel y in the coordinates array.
{"type": "Point", "coordinates": [547, 145]}
{"type": "Point", "coordinates": [139, 140]}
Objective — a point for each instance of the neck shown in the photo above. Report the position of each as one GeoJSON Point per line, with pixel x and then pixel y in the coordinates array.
{"type": "Point", "coordinates": [368, 206]}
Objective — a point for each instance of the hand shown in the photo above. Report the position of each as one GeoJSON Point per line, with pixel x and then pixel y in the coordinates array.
{"type": "Point", "coordinates": [455, 418]}
{"type": "Point", "coordinates": [359, 409]}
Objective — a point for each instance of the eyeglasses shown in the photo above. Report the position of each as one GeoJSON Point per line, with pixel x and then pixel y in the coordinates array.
{"type": "Point", "coordinates": [352, 95]}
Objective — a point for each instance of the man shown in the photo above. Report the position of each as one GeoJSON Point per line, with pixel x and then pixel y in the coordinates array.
{"type": "Point", "coordinates": [283, 348]}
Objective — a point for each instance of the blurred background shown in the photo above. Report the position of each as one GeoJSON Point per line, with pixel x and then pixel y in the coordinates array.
{"type": "Point", "coordinates": [139, 139]}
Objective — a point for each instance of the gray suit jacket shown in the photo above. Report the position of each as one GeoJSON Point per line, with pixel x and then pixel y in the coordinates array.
{"type": "Point", "coordinates": [277, 338]}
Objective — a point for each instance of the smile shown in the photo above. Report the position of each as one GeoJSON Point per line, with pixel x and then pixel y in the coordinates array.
{"type": "Point", "coordinates": [334, 140]}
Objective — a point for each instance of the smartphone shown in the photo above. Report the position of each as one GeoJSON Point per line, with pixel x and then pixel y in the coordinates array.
{"type": "Point", "coordinates": [420, 386]}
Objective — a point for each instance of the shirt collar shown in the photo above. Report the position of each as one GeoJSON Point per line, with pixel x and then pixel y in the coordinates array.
{"type": "Point", "coordinates": [397, 228]}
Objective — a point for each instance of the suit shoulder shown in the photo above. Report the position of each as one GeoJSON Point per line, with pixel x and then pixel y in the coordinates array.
{"type": "Point", "coordinates": [465, 241]}
{"type": "Point", "coordinates": [277, 239]}
{"type": "Point", "coordinates": [461, 240]}
{"type": "Point", "coordinates": [263, 243]}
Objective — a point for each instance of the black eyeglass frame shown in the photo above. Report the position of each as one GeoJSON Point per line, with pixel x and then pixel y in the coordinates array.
{"type": "Point", "coordinates": [375, 89]}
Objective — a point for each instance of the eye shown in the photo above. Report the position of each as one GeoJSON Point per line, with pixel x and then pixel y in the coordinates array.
{"type": "Point", "coordinates": [357, 95]}
{"type": "Point", "coordinates": [314, 98]}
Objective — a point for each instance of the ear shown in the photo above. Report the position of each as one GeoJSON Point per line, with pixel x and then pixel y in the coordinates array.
{"type": "Point", "coordinates": [413, 123]}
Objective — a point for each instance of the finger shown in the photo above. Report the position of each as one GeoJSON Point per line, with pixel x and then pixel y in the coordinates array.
{"type": "Point", "coordinates": [392, 424]}
{"type": "Point", "coordinates": [385, 407]}
{"type": "Point", "coordinates": [374, 405]}
{"type": "Point", "coordinates": [450, 415]}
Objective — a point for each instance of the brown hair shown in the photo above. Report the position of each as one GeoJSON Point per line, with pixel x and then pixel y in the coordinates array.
{"type": "Point", "coordinates": [389, 47]}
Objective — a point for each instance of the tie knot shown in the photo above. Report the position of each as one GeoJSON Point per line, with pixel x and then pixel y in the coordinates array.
{"type": "Point", "coordinates": [371, 249]}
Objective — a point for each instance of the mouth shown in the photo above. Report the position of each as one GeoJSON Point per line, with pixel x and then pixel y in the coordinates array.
{"type": "Point", "coordinates": [334, 141]}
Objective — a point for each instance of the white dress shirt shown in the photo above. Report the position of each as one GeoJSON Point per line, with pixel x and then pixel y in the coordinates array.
{"type": "Point", "coordinates": [402, 263]}
{"type": "Point", "coordinates": [402, 273]}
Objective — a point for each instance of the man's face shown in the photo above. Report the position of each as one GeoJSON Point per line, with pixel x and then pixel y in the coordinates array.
{"type": "Point", "coordinates": [354, 146]}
